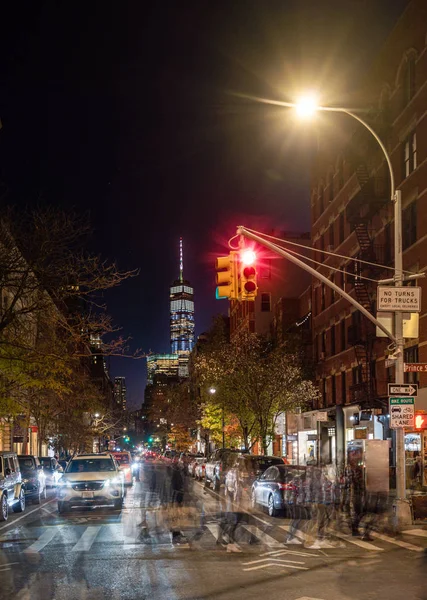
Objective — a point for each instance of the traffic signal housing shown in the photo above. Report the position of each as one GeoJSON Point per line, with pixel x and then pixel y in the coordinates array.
{"type": "Point", "coordinates": [248, 275]}
{"type": "Point", "coordinates": [420, 421]}
{"type": "Point", "coordinates": [227, 277]}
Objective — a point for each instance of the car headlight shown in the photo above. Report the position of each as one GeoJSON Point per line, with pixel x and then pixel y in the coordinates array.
{"type": "Point", "coordinates": [113, 481]}
{"type": "Point", "coordinates": [64, 483]}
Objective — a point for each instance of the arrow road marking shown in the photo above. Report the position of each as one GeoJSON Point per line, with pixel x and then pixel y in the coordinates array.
{"type": "Point", "coordinates": [294, 552]}
{"type": "Point", "coordinates": [274, 564]}
{"type": "Point", "coordinates": [260, 560]}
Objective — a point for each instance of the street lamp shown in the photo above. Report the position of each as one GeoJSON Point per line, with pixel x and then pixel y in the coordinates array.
{"type": "Point", "coordinates": [305, 107]}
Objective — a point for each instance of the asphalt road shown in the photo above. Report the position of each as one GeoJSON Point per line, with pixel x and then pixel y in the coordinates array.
{"type": "Point", "coordinates": [102, 554]}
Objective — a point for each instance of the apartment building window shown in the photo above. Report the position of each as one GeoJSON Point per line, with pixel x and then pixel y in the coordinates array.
{"type": "Point", "coordinates": [322, 297]}
{"type": "Point", "coordinates": [341, 227]}
{"type": "Point", "coordinates": [357, 375]}
{"type": "Point", "coordinates": [409, 225]}
{"type": "Point", "coordinates": [333, 340]}
{"type": "Point", "coordinates": [410, 355]}
{"type": "Point", "coordinates": [321, 201]}
{"type": "Point", "coordinates": [343, 387]}
{"type": "Point", "coordinates": [324, 343]}
{"type": "Point", "coordinates": [410, 153]}
{"type": "Point", "coordinates": [334, 389]}
{"type": "Point", "coordinates": [331, 187]}
{"type": "Point", "coordinates": [342, 332]}
{"type": "Point", "coordinates": [324, 392]}
{"type": "Point", "coordinates": [331, 237]}
{"type": "Point", "coordinates": [265, 302]}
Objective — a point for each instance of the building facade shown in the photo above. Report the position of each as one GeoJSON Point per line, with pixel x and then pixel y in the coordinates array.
{"type": "Point", "coordinates": [353, 233]}
{"type": "Point", "coordinates": [120, 392]}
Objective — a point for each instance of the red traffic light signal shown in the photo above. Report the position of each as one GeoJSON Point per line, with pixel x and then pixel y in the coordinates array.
{"type": "Point", "coordinates": [420, 421]}
{"type": "Point", "coordinates": [248, 275]}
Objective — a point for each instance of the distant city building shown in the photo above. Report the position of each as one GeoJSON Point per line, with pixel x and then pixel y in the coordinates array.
{"type": "Point", "coordinates": [161, 364]}
{"type": "Point", "coordinates": [120, 392]}
{"type": "Point", "coordinates": [181, 318]}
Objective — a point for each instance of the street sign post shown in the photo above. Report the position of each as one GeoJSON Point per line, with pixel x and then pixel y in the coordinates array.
{"type": "Point", "coordinates": [403, 389]}
{"type": "Point", "coordinates": [402, 412]}
{"type": "Point", "coordinates": [402, 299]}
{"type": "Point", "coordinates": [415, 367]}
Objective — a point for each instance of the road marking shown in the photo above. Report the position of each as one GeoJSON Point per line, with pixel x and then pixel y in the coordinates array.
{"type": "Point", "coordinates": [265, 566]}
{"type": "Point", "coordinates": [25, 515]}
{"type": "Point", "coordinates": [262, 536]}
{"type": "Point", "coordinates": [401, 543]}
{"type": "Point", "coordinates": [42, 541]}
{"type": "Point", "coordinates": [85, 542]}
{"type": "Point", "coordinates": [307, 598]}
{"type": "Point", "coordinates": [358, 542]}
{"type": "Point", "coordinates": [278, 560]}
{"type": "Point", "coordinates": [297, 532]}
{"type": "Point", "coordinates": [418, 532]}
{"type": "Point", "coordinates": [293, 552]}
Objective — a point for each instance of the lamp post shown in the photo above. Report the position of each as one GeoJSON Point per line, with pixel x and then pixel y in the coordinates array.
{"type": "Point", "coordinates": [306, 107]}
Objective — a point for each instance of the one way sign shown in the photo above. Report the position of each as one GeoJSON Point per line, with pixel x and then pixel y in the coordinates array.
{"type": "Point", "coordinates": [403, 389]}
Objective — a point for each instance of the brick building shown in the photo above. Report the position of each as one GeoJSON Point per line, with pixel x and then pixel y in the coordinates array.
{"type": "Point", "coordinates": [352, 216]}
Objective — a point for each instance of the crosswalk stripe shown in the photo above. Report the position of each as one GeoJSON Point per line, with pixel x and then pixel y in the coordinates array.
{"type": "Point", "coordinates": [46, 537]}
{"type": "Point", "coordinates": [397, 542]}
{"type": "Point", "coordinates": [297, 532]}
{"type": "Point", "coordinates": [358, 542]}
{"type": "Point", "coordinates": [85, 542]}
{"type": "Point", "coordinates": [262, 536]}
{"type": "Point", "coordinates": [417, 532]}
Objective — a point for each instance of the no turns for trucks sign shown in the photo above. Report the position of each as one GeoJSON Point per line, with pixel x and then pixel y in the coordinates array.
{"type": "Point", "coordinates": [405, 299]}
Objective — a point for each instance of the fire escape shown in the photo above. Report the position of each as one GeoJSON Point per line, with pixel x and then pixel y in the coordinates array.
{"type": "Point", "coordinates": [370, 199]}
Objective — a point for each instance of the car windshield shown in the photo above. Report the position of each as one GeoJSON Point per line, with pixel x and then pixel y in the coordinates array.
{"type": "Point", "coordinates": [88, 465]}
{"type": "Point", "coordinates": [46, 462]}
{"type": "Point", "coordinates": [261, 464]}
{"type": "Point", "coordinates": [26, 464]}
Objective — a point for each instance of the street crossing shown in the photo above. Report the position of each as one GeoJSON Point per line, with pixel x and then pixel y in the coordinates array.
{"type": "Point", "coordinates": [131, 535]}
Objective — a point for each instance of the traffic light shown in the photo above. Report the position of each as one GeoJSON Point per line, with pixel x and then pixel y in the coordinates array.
{"type": "Point", "coordinates": [420, 421]}
{"type": "Point", "coordinates": [248, 275]}
{"type": "Point", "coordinates": [227, 280]}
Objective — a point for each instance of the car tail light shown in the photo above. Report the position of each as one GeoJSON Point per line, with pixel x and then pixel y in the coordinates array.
{"type": "Point", "coordinates": [203, 467]}
{"type": "Point", "coordinates": [285, 486]}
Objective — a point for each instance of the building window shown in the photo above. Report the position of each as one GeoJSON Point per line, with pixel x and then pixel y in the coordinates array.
{"type": "Point", "coordinates": [334, 389]}
{"type": "Point", "coordinates": [331, 186]}
{"type": "Point", "coordinates": [322, 298]}
{"type": "Point", "coordinates": [410, 153]}
{"type": "Point", "coordinates": [324, 393]}
{"type": "Point", "coordinates": [321, 201]}
{"type": "Point", "coordinates": [409, 225]}
{"type": "Point", "coordinates": [333, 339]}
{"type": "Point", "coordinates": [324, 343]}
{"type": "Point", "coordinates": [409, 82]}
{"type": "Point", "coordinates": [342, 331]}
{"type": "Point", "coordinates": [343, 387]}
{"type": "Point", "coordinates": [265, 302]}
{"type": "Point", "coordinates": [341, 227]}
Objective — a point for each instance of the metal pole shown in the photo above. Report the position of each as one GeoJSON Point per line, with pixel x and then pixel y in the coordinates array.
{"type": "Point", "coordinates": [278, 250]}
{"type": "Point", "coordinates": [223, 426]}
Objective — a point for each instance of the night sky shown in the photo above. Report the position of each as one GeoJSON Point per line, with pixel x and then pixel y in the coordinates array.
{"type": "Point", "coordinates": [127, 110]}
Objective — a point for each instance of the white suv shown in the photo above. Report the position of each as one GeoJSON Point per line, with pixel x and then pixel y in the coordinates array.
{"type": "Point", "coordinates": [91, 480]}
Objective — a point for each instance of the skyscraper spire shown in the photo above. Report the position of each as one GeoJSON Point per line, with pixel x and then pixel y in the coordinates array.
{"type": "Point", "coordinates": [181, 262]}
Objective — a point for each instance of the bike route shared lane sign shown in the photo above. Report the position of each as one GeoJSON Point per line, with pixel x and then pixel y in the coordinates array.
{"type": "Point", "coordinates": [402, 412]}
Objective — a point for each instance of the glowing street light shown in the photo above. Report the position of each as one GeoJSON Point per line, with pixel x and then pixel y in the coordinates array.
{"type": "Point", "coordinates": [306, 106]}
{"type": "Point", "coordinates": [212, 390]}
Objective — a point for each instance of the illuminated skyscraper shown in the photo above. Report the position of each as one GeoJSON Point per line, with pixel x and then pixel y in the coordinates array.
{"type": "Point", "coordinates": [120, 392]}
{"type": "Point", "coordinates": [182, 318]}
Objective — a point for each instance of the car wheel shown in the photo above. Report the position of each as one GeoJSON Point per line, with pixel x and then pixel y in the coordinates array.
{"type": "Point", "coordinates": [270, 506]}
{"type": "Point", "coordinates": [118, 504]}
{"type": "Point", "coordinates": [19, 505]}
{"type": "Point", "coordinates": [63, 507]}
{"type": "Point", "coordinates": [4, 508]}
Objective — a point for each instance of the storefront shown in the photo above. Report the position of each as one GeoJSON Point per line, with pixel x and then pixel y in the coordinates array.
{"type": "Point", "coordinates": [416, 459]}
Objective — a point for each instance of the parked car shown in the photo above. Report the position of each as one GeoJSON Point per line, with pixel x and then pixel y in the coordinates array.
{"type": "Point", "coordinates": [89, 480]}
{"type": "Point", "coordinates": [63, 463]}
{"type": "Point", "coordinates": [247, 467]}
{"type": "Point", "coordinates": [33, 477]}
{"type": "Point", "coordinates": [199, 469]}
{"type": "Point", "coordinates": [277, 486]}
{"type": "Point", "coordinates": [12, 489]}
{"type": "Point", "coordinates": [52, 469]}
{"type": "Point", "coordinates": [193, 464]}
{"type": "Point", "coordinates": [217, 465]}
{"type": "Point", "coordinates": [185, 459]}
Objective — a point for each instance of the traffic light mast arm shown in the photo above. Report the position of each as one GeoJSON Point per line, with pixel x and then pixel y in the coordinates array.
{"type": "Point", "coordinates": [281, 252]}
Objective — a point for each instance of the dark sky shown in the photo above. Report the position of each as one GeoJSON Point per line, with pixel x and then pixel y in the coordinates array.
{"type": "Point", "coordinates": [126, 110]}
